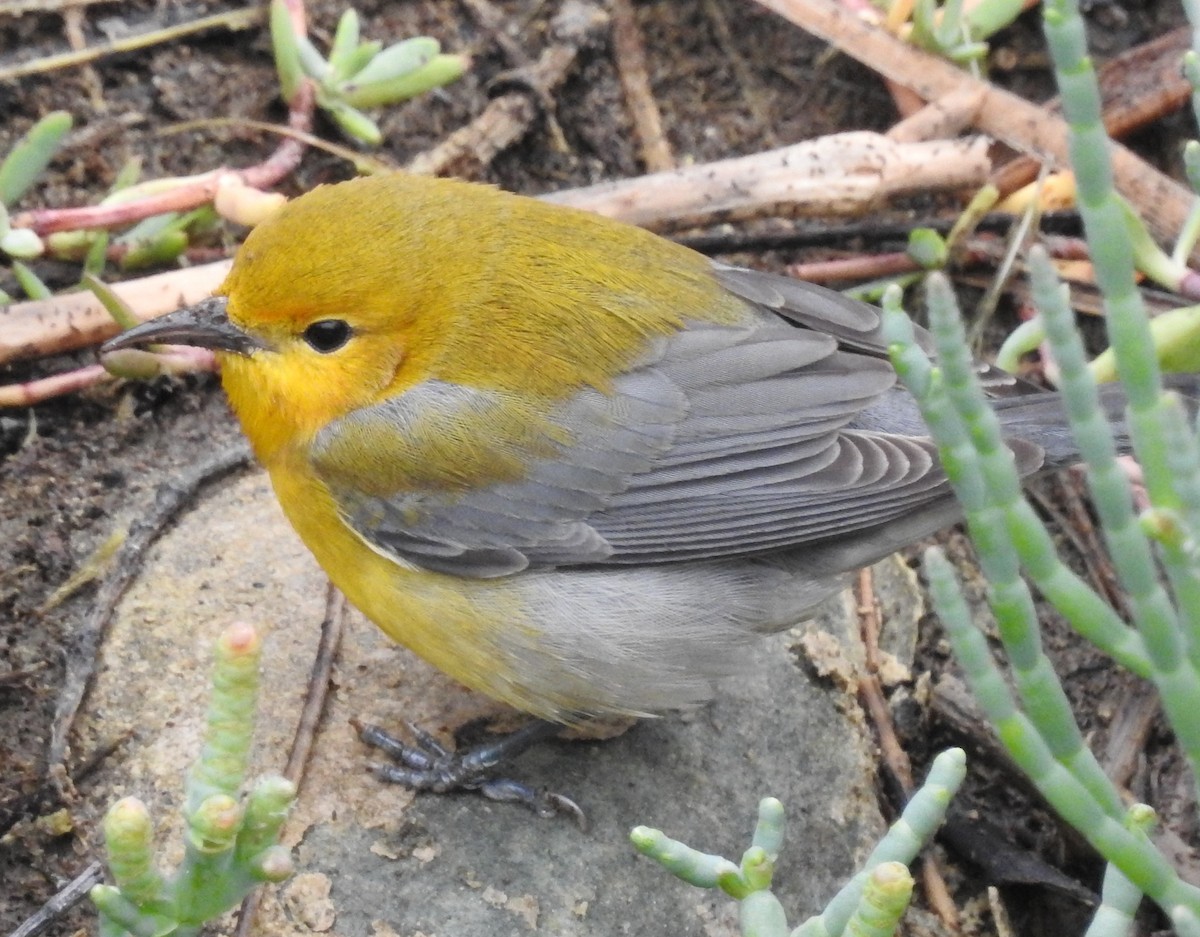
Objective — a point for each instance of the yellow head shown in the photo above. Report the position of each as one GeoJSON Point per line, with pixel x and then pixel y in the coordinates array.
{"type": "Point", "coordinates": [354, 292]}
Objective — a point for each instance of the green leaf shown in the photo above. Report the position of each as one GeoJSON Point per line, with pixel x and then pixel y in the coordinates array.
{"type": "Point", "coordinates": [923, 34]}
{"type": "Point", "coordinates": [399, 60]}
{"type": "Point", "coordinates": [927, 248]}
{"type": "Point", "coordinates": [22, 243]}
{"type": "Point", "coordinates": [1176, 337]}
{"type": "Point", "coordinates": [127, 175]}
{"type": "Point", "coordinates": [97, 254]}
{"type": "Point", "coordinates": [155, 251]}
{"type": "Point", "coordinates": [71, 245]}
{"type": "Point", "coordinates": [287, 51]}
{"type": "Point", "coordinates": [311, 60]}
{"type": "Point", "coordinates": [31, 155]}
{"type": "Point", "coordinates": [991, 16]}
{"type": "Point", "coordinates": [113, 304]}
{"type": "Point", "coordinates": [354, 123]}
{"type": "Point", "coordinates": [950, 29]}
{"type": "Point", "coordinates": [30, 282]}
{"type": "Point", "coordinates": [360, 57]}
{"type": "Point", "coordinates": [149, 228]}
{"type": "Point", "coordinates": [345, 45]}
{"type": "Point", "coordinates": [1148, 257]}
{"type": "Point", "coordinates": [441, 70]}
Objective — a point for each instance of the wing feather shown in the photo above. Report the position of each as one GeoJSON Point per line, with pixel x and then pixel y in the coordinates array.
{"type": "Point", "coordinates": [722, 441]}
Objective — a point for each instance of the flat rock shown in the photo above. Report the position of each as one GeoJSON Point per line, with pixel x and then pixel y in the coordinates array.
{"type": "Point", "coordinates": [375, 859]}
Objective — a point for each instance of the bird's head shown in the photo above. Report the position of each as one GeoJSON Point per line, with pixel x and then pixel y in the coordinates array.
{"type": "Point", "coordinates": [354, 292]}
{"type": "Point", "coordinates": [325, 310]}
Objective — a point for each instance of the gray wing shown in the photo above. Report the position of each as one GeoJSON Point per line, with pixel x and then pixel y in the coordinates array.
{"type": "Point", "coordinates": [721, 442]}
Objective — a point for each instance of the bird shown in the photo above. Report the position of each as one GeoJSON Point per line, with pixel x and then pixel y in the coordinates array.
{"type": "Point", "coordinates": [576, 466]}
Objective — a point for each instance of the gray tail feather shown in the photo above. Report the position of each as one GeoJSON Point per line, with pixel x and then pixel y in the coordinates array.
{"type": "Point", "coordinates": [854, 551]}
{"type": "Point", "coordinates": [1041, 439]}
{"type": "Point", "coordinates": [1041, 419]}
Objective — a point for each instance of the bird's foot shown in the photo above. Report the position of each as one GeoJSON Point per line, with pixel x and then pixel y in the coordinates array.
{"type": "Point", "coordinates": [428, 765]}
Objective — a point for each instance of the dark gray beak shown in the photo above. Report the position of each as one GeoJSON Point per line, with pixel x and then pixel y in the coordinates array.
{"type": "Point", "coordinates": [204, 325]}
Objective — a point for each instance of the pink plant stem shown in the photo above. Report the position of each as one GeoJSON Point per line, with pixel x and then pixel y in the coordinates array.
{"type": "Point", "coordinates": [199, 191]}
{"type": "Point", "coordinates": [43, 389]}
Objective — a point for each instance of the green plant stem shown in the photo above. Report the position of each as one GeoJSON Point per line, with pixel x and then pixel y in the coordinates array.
{"type": "Point", "coordinates": [1138, 861]}
{"type": "Point", "coordinates": [1131, 339]}
{"type": "Point", "coordinates": [980, 468]}
{"type": "Point", "coordinates": [921, 817]}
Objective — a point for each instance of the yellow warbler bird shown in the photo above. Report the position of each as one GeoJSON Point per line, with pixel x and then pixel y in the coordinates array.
{"type": "Point", "coordinates": [572, 464]}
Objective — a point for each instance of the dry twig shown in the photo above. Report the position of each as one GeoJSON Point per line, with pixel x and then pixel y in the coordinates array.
{"type": "Point", "coordinates": [862, 267]}
{"type": "Point", "coordinates": [1026, 127]}
{"type": "Point", "coordinates": [629, 57]}
{"type": "Point", "coordinates": [1137, 87]}
{"type": "Point", "coordinates": [846, 173]}
{"type": "Point", "coordinates": [870, 695]}
{"type": "Point", "coordinates": [231, 20]}
{"type": "Point", "coordinates": [510, 115]}
{"type": "Point", "coordinates": [66, 898]}
{"type": "Point", "coordinates": [492, 19]}
{"type": "Point", "coordinates": [76, 320]}
{"type": "Point", "coordinates": [942, 119]}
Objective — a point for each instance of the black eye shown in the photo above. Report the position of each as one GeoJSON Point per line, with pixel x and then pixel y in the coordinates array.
{"type": "Point", "coordinates": [327, 335]}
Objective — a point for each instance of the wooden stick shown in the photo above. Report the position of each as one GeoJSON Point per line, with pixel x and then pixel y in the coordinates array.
{"type": "Point", "coordinates": [629, 56]}
{"type": "Point", "coordinates": [508, 117]}
{"type": "Point", "coordinates": [1026, 127]}
{"type": "Point", "coordinates": [845, 173]}
{"type": "Point", "coordinates": [232, 20]}
{"type": "Point", "coordinates": [941, 119]}
{"type": "Point", "coordinates": [76, 320]}
{"type": "Point", "coordinates": [1137, 87]}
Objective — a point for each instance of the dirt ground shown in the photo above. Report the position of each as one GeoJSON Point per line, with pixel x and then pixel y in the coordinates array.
{"type": "Point", "coordinates": [729, 78]}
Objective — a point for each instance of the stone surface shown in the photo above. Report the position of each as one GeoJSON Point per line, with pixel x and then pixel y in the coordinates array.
{"type": "Point", "coordinates": [376, 859]}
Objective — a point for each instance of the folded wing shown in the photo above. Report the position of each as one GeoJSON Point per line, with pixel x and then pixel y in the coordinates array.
{"type": "Point", "coordinates": [721, 442]}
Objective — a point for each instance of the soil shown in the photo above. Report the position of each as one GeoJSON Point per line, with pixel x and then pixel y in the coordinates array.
{"type": "Point", "coordinates": [729, 77]}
